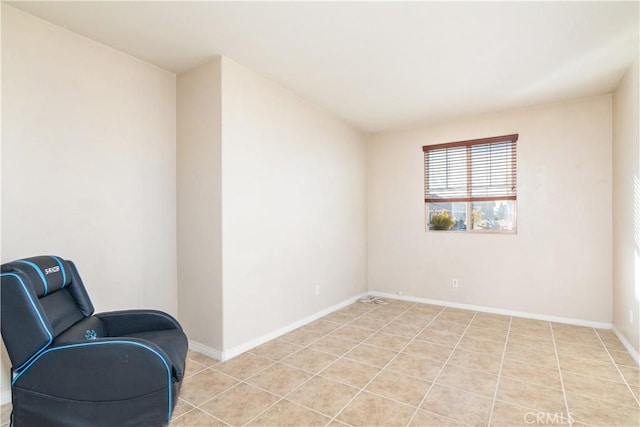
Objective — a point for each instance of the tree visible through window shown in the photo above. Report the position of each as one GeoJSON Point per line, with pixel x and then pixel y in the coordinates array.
{"type": "Point", "coordinates": [471, 185]}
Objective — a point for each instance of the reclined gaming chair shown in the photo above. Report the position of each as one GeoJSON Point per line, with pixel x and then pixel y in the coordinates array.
{"type": "Point", "coordinates": [73, 368]}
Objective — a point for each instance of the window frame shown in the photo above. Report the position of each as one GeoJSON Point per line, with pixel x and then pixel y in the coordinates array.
{"type": "Point", "coordinates": [468, 198]}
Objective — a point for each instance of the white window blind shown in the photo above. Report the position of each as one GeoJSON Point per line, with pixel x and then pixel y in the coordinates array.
{"type": "Point", "coordinates": [471, 171]}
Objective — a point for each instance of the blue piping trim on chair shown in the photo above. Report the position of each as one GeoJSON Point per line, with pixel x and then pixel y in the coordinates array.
{"type": "Point", "coordinates": [62, 347]}
{"type": "Point", "coordinates": [36, 268]}
{"type": "Point", "coordinates": [64, 273]}
{"type": "Point", "coordinates": [33, 305]}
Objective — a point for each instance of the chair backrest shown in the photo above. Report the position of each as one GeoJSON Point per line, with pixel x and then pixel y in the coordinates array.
{"type": "Point", "coordinates": [40, 297]}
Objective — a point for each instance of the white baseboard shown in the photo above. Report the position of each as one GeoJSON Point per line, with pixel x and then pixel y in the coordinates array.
{"type": "Point", "coordinates": [5, 397]}
{"type": "Point", "coordinates": [625, 342]}
{"type": "Point", "coordinates": [557, 319]}
{"type": "Point", "coordinates": [235, 351]}
{"type": "Point", "coordinates": [206, 350]}
{"type": "Point", "coordinates": [226, 355]}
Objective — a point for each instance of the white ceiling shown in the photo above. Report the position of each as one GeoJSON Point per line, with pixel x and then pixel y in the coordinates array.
{"type": "Point", "coordinates": [381, 65]}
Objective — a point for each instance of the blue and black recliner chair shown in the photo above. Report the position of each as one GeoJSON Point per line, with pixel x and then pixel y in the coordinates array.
{"type": "Point", "coordinates": [74, 368]}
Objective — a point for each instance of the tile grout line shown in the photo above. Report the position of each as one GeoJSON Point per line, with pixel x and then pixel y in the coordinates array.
{"type": "Point", "coordinates": [416, 356]}
{"type": "Point", "coordinates": [618, 369]}
{"type": "Point", "coordinates": [243, 381]}
{"type": "Point", "coordinates": [441, 369]}
{"type": "Point", "coordinates": [427, 358]}
{"type": "Point", "coordinates": [361, 389]}
{"type": "Point", "coordinates": [280, 361]}
{"type": "Point", "coordinates": [570, 419]}
{"type": "Point", "coordinates": [340, 357]}
{"type": "Point", "coordinates": [387, 349]}
{"type": "Point", "coordinates": [193, 406]}
{"type": "Point", "coordinates": [387, 364]}
{"type": "Point", "coordinates": [274, 362]}
{"type": "Point", "coordinates": [199, 406]}
{"type": "Point", "coordinates": [339, 325]}
{"type": "Point", "coordinates": [187, 402]}
{"type": "Point", "coordinates": [495, 393]}
{"type": "Point", "coordinates": [195, 373]}
{"type": "Point", "coordinates": [278, 400]}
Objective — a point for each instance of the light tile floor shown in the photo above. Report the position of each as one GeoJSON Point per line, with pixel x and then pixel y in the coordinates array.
{"type": "Point", "coordinates": [418, 365]}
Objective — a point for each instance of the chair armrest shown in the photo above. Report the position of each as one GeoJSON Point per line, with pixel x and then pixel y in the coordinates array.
{"type": "Point", "coordinates": [100, 370]}
{"type": "Point", "coordinates": [125, 322]}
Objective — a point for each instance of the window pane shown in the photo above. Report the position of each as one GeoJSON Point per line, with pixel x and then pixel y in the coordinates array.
{"type": "Point", "coordinates": [495, 215]}
{"type": "Point", "coordinates": [447, 173]}
{"type": "Point", "coordinates": [457, 212]}
{"type": "Point", "coordinates": [492, 170]}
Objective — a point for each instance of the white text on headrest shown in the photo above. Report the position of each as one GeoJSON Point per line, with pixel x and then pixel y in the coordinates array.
{"type": "Point", "coordinates": [51, 270]}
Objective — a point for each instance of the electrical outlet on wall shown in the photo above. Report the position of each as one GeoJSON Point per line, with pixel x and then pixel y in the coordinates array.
{"type": "Point", "coordinates": [317, 289]}
{"type": "Point", "coordinates": [454, 283]}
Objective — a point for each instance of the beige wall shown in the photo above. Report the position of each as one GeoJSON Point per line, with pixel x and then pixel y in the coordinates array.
{"type": "Point", "coordinates": [294, 212]}
{"type": "Point", "coordinates": [88, 163]}
{"type": "Point", "coordinates": [558, 264]}
{"type": "Point", "coordinates": [199, 201]}
{"type": "Point", "coordinates": [626, 207]}
{"type": "Point", "coordinates": [273, 197]}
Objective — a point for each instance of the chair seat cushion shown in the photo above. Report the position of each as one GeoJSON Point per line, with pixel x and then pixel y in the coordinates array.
{"type": "Point", "coordinates": [87, 329]}
{"type": "Point", "coordinates": [173, 342]}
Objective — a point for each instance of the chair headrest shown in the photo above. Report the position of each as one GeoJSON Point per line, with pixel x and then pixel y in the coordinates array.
{"type": "Point", "coordinates": [48, 273]}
